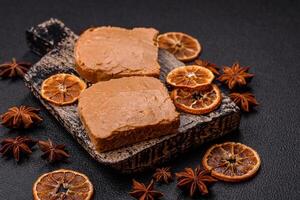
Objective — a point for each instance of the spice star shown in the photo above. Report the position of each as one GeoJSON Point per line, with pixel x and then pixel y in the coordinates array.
{"type": "Point", "coordinates": [194, 179]}
{"type": "Point", "coordinates": [235, 75]}
{"type": "Point", "coordinates": [17, 146]}
{"type": "Point", "coordinates": [21, 117]}
{"type": "Point", "coordinates": [244, 100]}
{"type": "Point", "coordinates": [53, 152]}
{"type": "Point", "coordinates": [14, 69]}
{"type": "Point", "coordinates": [163, 175]}
{"type": "Point", "coordinates": [141, 192]}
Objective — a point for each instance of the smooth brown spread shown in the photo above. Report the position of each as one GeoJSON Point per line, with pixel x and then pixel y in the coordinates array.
{"type": "Point", "coordinates": [124, 111]}
{"type": "Point", "coordinates": [110, 52]}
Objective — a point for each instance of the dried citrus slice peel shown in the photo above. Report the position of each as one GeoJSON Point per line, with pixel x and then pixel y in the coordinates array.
{"type": "Point", "coordinates": [62, 89]}
{"type": "Point", "coordinates": [197, 101]}
{"type": "Point", "coordinates": [191, 76]}
{"type": "Point", "coordinates": [181, 45]}
{"type": "Point", "coordinates": [232, 162]}
{"type": "Point", "coordinates": [63, 184]}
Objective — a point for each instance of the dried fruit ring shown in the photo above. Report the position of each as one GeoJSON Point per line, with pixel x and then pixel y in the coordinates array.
{"type": "Point", "coordinates": [62, 89]}
{"type": "Point", "coordinates": [191, 76]}
{"type": "Point", "coordinates": [183, 46]}
{"type": "Point", "coordinates": [197, 101]}
{"type": "Point", "coordinates": [63, 184]}
{"type": "Point", "coordinates": [232, 162]}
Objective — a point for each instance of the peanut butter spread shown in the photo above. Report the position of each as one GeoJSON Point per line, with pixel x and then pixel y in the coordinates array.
{"type": "Point", "coordinates": [124, 111]}
{"type": "Point", "coordinates": [104, 53]}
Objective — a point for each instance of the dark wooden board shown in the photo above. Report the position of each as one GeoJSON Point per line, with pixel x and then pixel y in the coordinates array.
{"type": "Point", "coordinates": [55, 38]}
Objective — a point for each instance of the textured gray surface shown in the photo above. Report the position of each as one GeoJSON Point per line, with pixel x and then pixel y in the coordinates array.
{"type": "Point", "coordinates": [135, 157]}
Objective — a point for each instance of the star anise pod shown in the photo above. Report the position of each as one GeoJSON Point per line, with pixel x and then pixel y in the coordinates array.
{"type": "Point", "coordinates": [14, 69]}
{"type": "Point", "coordinates": [163, 175]}
{"type": "Point", "coordinates": [235, 75]}
{"type": "Point", "coordinates": [194, 179]}
{"type": "Point", "coordinates": [244, 100]}
{"type": "Point", "coordinates": [21, 117]}
{"type": "Point", "coordinates": [53, 152]}
{"type": "Point", "coordinates": [17, 146]}
{"type": "Point", "coordinates": [211, 66]}
{"type": "Point", "coordinates": [141, 192]}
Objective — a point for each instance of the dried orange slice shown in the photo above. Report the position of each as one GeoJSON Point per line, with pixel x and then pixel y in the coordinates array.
{"type": "Point", "coordinates": [232, 162]}
{"type": "Point", "coordinates": [197, 101]}
{"type": "Point", "coordinates": [63, 184]}
{"type": "Point", "coordinates": [62, 89]}
{"type": "Point", "coordinates": [181, 45]}
{"type": "Point", "coordinates": [191, 76]}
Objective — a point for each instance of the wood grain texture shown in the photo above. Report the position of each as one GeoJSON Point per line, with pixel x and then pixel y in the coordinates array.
{"type": "Point", "coordinates": [193, 130]}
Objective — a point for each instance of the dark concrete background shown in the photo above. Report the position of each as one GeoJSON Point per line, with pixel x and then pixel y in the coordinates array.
{"type": "Point", "coordinates": [261, 34]}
